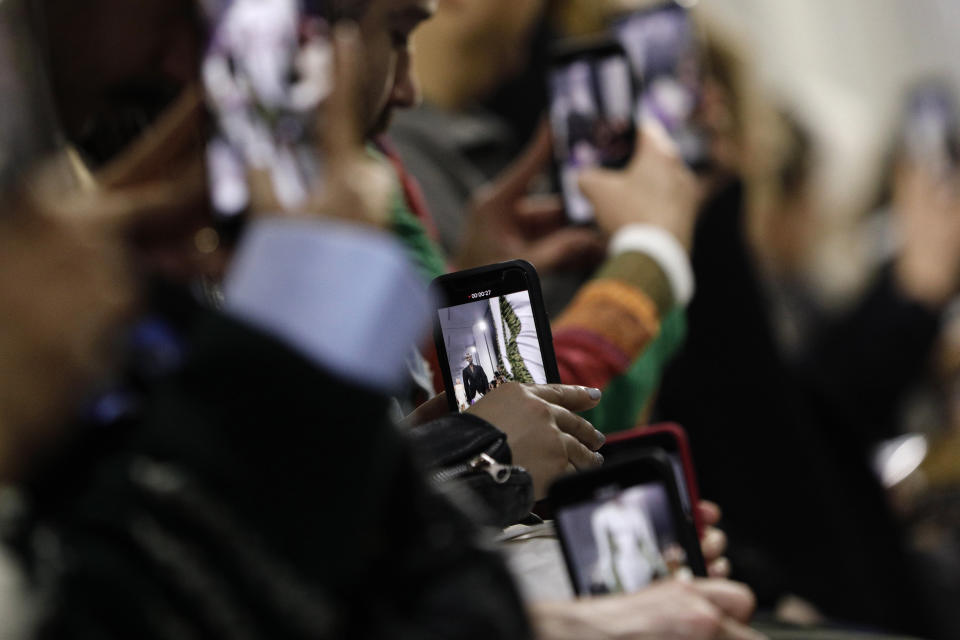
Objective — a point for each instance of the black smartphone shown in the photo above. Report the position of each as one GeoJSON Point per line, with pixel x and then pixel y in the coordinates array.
{"type": "Point", "coordinates": [593, 93]}
{"type": "Point", "coordinates": [491, 328]}
{"type": "Point", "coordinates": [931, 127]}
{"type": "Point", "coordinates": [622, 526]}
{"type": "Point", "coordinates": [661, 43]}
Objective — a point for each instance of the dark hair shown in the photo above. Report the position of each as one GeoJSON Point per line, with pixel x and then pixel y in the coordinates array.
{"type": "Point", "coordinates": [336, 10]}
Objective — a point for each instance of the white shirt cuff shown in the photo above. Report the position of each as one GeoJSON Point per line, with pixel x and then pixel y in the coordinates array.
{"type": "Point", "coordinates": [662, 247]}
{"type": "Point", "coordinates": [344, 296]}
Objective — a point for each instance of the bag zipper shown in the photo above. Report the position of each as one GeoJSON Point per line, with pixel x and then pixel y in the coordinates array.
{"type": "Point", "coordinates": [481, 462]}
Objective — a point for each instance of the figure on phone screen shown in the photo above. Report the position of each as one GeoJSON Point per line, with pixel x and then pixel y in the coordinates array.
{"type": "Point", "coordinates": [628, 556]}
{"type": "Point", "coordinates": [474, 379]}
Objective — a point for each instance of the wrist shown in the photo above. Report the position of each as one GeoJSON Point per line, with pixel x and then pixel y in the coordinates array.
{"type": "Point", "coordinates": [662, 247]}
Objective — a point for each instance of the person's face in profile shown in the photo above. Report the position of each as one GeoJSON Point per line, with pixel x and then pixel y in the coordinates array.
{"type": "Point", "coordinates": [385, 28]}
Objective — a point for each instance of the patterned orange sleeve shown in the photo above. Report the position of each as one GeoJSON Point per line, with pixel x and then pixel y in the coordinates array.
{"type": "Point", "coordinates": [611, 320]}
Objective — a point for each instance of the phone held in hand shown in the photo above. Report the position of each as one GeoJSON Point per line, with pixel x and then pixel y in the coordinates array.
{"type": "Point", "coordinates": [661, 43]}
{"type": "Point", "coordinates": [672, 440]}
{"type": "Point", "coordinates": [622, 526]}
{"type": "Point", "coordinates": [491, 328]}
{"type": "Point", "coordinates": [265, 72]}
{"type": "Point", "coordinates": [593, 93]}
{"type": "Point", "coordinates": [931, 127]}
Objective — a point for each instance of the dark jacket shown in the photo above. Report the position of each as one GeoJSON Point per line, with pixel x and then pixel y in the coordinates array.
{"type": "Point", "coordinates": [784, 449]}
{"type": "Point", "coordinates": [256, 496]}
{"type": "Point", "coordinates": [474, 381]}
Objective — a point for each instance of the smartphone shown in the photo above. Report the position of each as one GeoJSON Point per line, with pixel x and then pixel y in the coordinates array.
{"type": "Point", "coordinates": [265, 72]}
{"type": "Point", "coordinates": [673, 441]}
{"type": "Point", "coordinates": [931, 128]}
{"type": "Point", "coordinates": [622, 526]}
{"type": "Point", "coordinates": [661, 43]}
{"type": "Point", "coordinates": [592, 92]}
{"type": "Point", "coordinates": [491, 328]}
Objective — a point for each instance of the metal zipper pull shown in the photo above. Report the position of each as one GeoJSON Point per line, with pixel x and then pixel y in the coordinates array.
{"type": "Point", "coordinates": [499, 472]}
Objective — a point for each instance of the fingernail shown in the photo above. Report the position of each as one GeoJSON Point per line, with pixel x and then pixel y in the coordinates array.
{"type": "Point", "coordinates": [602, 438]}
{"type": "Point", "coordinates": [594, 393]}
{"type": "Point", "coordinates": [599, 458]}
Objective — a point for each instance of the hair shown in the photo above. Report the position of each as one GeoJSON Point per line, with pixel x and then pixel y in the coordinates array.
{"type": "Point", "coordinates": [337, 10]}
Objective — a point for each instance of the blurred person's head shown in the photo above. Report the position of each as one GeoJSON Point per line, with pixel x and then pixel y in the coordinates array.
{"type": "Point", "coordinates": [472, 46]}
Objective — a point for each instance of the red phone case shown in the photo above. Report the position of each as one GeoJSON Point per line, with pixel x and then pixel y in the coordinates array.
{"type": "Point", "coordinates": [638, 436]}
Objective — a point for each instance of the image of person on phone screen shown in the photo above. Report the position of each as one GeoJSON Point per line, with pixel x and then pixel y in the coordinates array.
{"type": "Point", "coordinates": [628, 556]}
{"type": "Point", "coordinates": [475, 381]}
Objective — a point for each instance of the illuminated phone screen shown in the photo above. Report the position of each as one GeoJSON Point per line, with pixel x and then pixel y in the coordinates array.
{"type": "Point", "coordinates": [592, 118]}
{"type": "Point", "coordinates": [490, 339]}
{"type": "Point", "coordinates": [663, 49]}
{"type": "Point", "coordinates": [621, 539]}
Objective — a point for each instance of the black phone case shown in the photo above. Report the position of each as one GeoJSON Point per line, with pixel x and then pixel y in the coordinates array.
{"type": "Point", "coordinates": [645, 466]}
{"type": "Point", "coordinates": [447, 287]}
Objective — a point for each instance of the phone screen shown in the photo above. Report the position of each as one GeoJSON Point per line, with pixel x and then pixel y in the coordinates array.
{"type": "Point", "coordinates": [662, 46]}
{"type": "Point", "coordinates": [490, 338]}
{"type": "Point", "coordinates": [265, 72]}
{"type": "Point", "coordinates": [592, 101]}
{"type": "Point", "coordinates": [932, 130]}
{"type": "Point", "coordinates": [621, 538]}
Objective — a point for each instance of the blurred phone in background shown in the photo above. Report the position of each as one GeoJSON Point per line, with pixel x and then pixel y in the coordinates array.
{"type": "Point", "coordinates": [266, 71]}
{"type": "Point", "coordinates": [622, 527]}
{"type": "Point", "coordinates": [662, 46]}
{"type": "Point", "coordinates": [592, 94]}
{"type": "Point", "coordinates": [931, 128]}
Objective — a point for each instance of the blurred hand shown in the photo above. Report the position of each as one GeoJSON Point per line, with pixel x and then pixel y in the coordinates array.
{"type": "Point", "coordinates": [713, 543]}
{"type": "Point", "coordinates": [505, 223]}
{"type": "Point", "coordinates": [655, 188]}
{"type": "Point", "coordinates": [433, 409]}
{"type": "Point", "coordinates": [706, 609]}
{"type": "Point", "coordinates": [545, 436]}
{"type": "Point", "coordinates": [354, 186]}
{"type": "Point", "coordinates": [927, 209]}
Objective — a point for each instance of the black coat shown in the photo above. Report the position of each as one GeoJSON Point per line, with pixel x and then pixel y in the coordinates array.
{"type": "Point", "coordinates": [256, 496]}
{"type": "Point", "coordinates": [474, 381]}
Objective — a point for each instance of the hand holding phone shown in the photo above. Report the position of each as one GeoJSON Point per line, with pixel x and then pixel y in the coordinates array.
{"type": "Point", "coordinates": [545, 434]}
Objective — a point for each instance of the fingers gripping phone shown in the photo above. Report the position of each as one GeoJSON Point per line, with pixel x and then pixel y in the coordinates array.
{"type": "Point", "coordinates": [491, 328]}
{"type": "Point", "coordinates": [622, 527]}
{"type": "Point", "coordinates": [673, 441]}
{"type": "Point", "coordinates": [592, 96]}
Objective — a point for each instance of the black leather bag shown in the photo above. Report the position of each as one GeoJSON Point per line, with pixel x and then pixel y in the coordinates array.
{"type": "Point", "coordinates": [466, 451]}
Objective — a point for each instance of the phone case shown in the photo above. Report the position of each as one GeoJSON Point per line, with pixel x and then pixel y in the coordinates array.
{"type": "Point", "coordinates": [458, 287]}
{"type": "Point", "coordinates": [675, 438]}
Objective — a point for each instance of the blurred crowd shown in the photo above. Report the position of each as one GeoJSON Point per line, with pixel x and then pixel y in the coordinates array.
{"type": "Point", "coordinates": [220, 408]}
